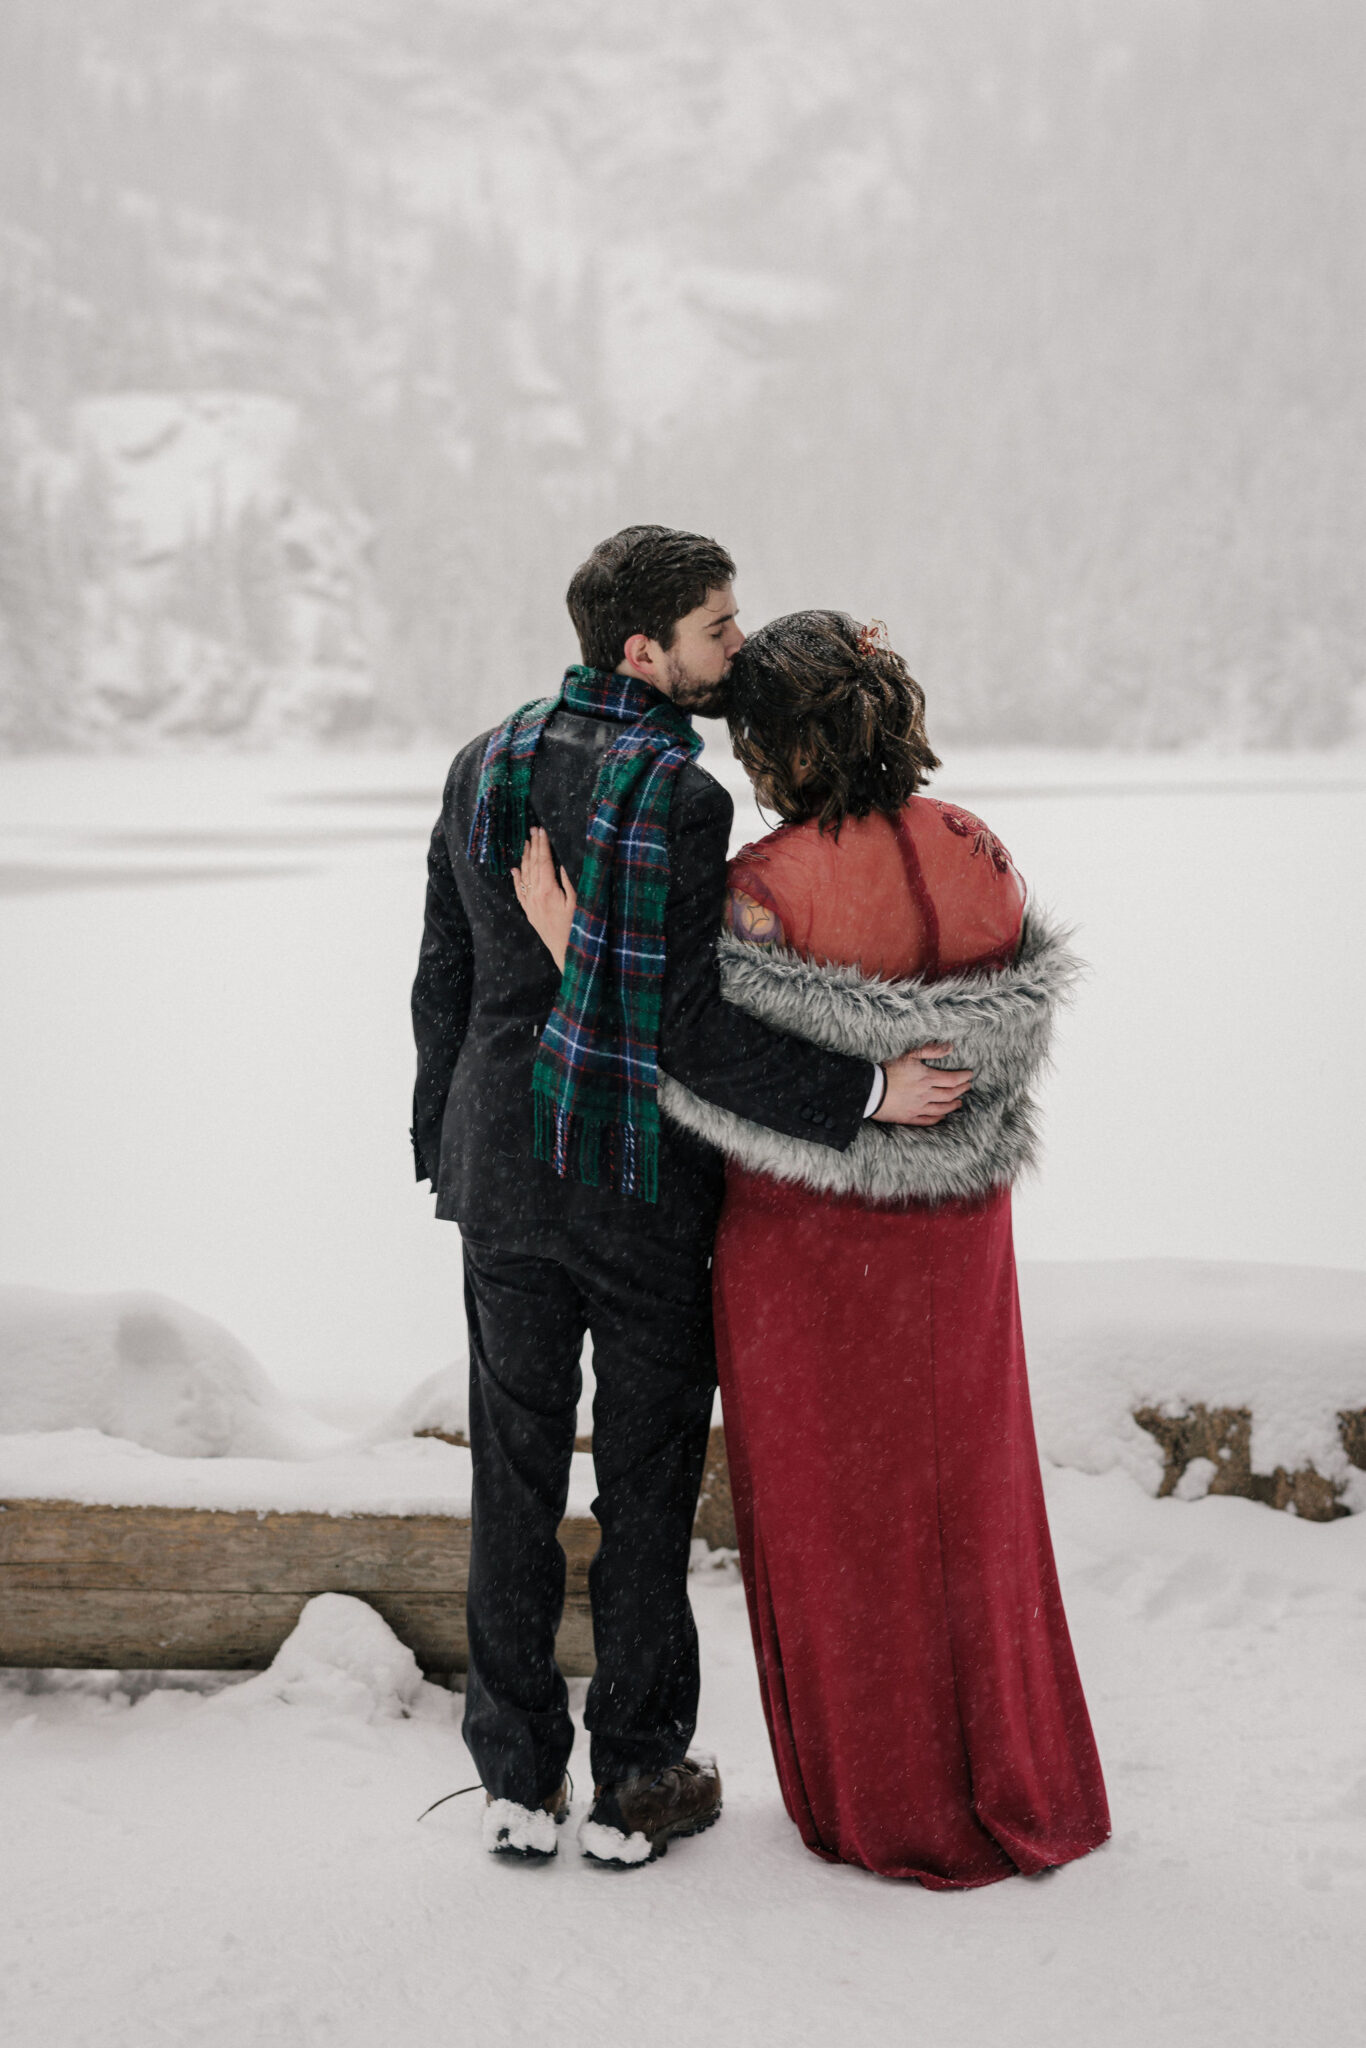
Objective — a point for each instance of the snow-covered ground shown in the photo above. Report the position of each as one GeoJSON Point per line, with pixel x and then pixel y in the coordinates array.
{"type": "Point", "coordinates": [227, 1864]}
{"type": "Point", "coordinates": [203, 1023]}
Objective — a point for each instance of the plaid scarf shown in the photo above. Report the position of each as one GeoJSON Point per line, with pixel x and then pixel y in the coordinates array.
{"type": "Point", "coordinates": [596, 1078]}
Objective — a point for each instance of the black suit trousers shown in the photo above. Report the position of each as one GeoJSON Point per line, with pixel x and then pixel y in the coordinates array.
{"type": "Point", "coordinates": [646, 1299]}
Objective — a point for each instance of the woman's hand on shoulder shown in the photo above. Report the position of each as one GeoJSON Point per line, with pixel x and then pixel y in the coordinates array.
{"type": "Point", "coordinates": [546, 895]}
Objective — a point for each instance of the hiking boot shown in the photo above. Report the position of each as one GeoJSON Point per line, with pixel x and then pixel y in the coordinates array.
{"type": "Point", "coordinates": [634, 1822]}
{"type": "Point", "coordinates": [525, 1831]}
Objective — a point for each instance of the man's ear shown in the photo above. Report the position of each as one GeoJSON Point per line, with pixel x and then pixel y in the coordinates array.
{"type": "Point", "coordinates": [638, 655]}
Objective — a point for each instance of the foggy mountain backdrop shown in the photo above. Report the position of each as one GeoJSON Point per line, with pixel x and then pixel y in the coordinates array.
{"type": "Point", "coordinates": [334, 332]}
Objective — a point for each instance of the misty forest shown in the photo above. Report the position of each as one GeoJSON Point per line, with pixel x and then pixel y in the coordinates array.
{"type": "Point", "coordinates": [334, 332]}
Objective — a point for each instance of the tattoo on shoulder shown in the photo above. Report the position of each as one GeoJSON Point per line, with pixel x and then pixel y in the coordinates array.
{"type": "Point", "coordinates": [757, 923]}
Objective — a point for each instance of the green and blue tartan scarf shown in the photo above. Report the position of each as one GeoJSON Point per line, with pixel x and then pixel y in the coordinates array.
{"type": "Point", "coordinates": [595, 1084]}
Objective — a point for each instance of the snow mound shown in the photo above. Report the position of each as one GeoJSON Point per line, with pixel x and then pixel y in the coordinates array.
{"type": "Point", "coordinates": [342, 1658]}
{"type": "Point", "coordinates": [144, 1369]}
{"type": "Point", "coordinates": [440, 1402]}
{"type": "Point", "coordinates": [1109, 1336]}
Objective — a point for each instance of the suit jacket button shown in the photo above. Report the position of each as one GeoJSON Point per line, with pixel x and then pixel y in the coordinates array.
{"type": "Point", "coordinates": [806, 1112]}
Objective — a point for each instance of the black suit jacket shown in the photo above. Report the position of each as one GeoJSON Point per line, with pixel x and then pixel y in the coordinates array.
{"type": "Point", "coordinates": [486, 984]}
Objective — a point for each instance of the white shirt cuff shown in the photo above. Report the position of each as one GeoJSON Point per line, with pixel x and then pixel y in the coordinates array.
{"type": "Point", "coordinates": [879, 1090]}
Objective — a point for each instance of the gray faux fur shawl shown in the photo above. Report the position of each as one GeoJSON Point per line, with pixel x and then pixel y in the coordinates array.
{"type": "Point", "coordinates": [999, 1024]}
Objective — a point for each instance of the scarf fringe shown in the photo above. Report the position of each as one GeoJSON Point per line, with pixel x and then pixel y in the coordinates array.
{"type": "Point", "coordinates": [501, 824]}
{"type": "Point", "coordinates": [597, 1151]}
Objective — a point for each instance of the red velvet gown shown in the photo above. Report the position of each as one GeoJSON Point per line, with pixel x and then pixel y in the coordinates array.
{"type": "Point", "coordinates": [918, 1680]}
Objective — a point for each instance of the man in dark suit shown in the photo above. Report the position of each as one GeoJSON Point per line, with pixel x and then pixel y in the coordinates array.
{"type": "Point", "coordinates": [548, 1257]}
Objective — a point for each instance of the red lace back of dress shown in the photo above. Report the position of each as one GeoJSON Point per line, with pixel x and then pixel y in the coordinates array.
{"type": "Point", "coordinates": [929, 894]}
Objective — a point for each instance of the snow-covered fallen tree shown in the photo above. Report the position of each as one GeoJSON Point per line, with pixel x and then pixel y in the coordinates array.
{"type": "Point", "coordinates": [1195, 1376]}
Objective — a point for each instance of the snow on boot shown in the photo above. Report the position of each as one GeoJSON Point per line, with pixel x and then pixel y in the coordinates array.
{"type": "Point", "coordinates": [634, 1821]}
{"type": "Point", "coordinates": [525, 1831]}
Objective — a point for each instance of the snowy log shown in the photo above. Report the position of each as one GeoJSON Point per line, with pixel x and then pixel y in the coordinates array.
{"type": "Point", "coordinates": [1202, 1376]}
{"type": "Point", "coordinates": [187, 1588]}
{"type": "Point", "coordinates": [1209, 1450]}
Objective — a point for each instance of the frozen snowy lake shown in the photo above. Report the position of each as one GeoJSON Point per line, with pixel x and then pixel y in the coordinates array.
{"type": "Point", "coordinates": [203, 1020]}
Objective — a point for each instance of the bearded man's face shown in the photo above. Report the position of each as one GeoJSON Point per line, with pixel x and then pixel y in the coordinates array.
{"type": "Point", "coordinates": [693, 668]}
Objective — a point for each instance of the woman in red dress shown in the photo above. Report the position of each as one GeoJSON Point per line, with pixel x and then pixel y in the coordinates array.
{"type": "Point", "coordinates": [918, 1680]}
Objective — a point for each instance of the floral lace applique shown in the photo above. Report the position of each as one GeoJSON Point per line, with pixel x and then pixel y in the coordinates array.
{"type": "Point", "coordinates": [983, 840]}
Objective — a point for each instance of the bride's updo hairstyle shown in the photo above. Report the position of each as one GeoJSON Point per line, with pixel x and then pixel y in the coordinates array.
{"type": "Point", "coordinates": [827, 720]}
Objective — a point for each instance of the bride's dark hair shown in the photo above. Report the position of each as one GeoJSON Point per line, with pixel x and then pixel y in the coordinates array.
{"type": "Point", "coordinates": [827, 720]}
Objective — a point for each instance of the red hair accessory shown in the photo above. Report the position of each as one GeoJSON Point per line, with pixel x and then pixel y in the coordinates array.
{"type": "Point", "coordinates": [873, 638]}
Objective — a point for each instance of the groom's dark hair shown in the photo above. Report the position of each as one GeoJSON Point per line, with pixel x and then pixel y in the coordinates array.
{"type": "Point", "coordinates": [643, 580]}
